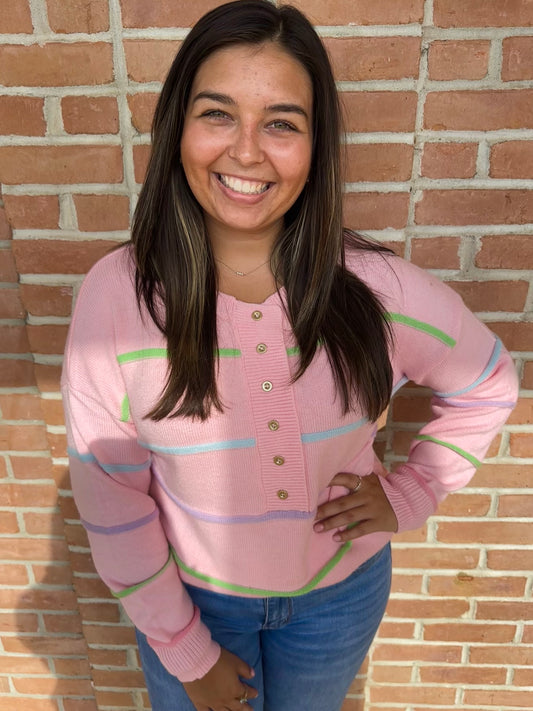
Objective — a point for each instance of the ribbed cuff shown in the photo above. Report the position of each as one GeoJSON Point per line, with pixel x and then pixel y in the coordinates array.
{"type": "Point", "coordinates": [191, 653]}
{"type": "Point", "coordinates": [412, 500]}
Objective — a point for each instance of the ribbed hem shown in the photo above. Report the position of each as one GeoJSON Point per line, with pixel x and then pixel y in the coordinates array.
{"type": "Point", "coordinates": [410, 497]}
{"type": "Point", "coordinates": [191, 653]}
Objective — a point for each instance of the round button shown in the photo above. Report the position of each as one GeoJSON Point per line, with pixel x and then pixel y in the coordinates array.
{"type": "Point", "coordinates": [273, 425]}
{"type": "Point", "coordinates": [267, 386]}
{"type": "Point", "coordinates": [279, 461]}
{"type": "Point", "coordinates": [282, 494]}
{"type": "Point", "coordinates": [261, 348]}
{"type": "Point", "coordinates": [256, 315]}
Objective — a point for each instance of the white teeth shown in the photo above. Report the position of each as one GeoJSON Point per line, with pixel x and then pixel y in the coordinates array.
{"type": "Point", "coordinates": [246, 187]}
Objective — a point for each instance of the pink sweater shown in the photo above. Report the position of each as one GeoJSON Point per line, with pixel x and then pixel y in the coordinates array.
{"type": "Point", "coordinates": [229, 504]}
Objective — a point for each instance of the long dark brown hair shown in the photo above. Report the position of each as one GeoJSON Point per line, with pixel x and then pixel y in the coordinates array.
{"type": "Point", "coordinates": [175, 268]}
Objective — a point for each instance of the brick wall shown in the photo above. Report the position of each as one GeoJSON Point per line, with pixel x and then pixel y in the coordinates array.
{"type": "Point", "coordinates": [439, 105]}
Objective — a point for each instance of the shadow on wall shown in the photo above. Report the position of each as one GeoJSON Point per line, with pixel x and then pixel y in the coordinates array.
{"type": "Point", "coordinates": [72, 647]}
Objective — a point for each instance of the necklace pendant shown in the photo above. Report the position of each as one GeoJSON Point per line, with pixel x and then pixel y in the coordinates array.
{"type": "Point", "coordinates": [240, 273]}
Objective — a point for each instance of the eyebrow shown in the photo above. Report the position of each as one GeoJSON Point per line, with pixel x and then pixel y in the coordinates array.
{"type": "Point", "coordinates": [225, 99]}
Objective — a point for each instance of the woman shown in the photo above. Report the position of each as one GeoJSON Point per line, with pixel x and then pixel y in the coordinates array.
{"type": "Point", "coordinates": [224, 373]}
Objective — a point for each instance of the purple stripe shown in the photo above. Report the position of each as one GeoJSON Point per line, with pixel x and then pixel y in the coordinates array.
{"type": "Point", "coordinates": [121, 528]}
{"type": "Point", "coordinates": [244, 518]}
{"type": "Point", "coordinates": [479, 403]}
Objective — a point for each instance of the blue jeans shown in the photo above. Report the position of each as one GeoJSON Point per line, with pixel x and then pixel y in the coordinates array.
{"type": "Point", "coordinates": [305, 650]}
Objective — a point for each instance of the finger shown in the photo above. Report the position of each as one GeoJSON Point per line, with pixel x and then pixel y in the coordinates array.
{"type": "Point", "coordinates": [350, 533]}
{"type": "Point", "coordinates": [347, 479]}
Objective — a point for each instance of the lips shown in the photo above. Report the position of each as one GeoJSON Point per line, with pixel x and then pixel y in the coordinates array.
{"type": "Point", "coordinates": [244, 187]}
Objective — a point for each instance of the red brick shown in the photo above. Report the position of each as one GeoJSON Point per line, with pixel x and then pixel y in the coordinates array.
{"type": "Point", "coordinates": [458, 59]}
{"type": "Point", "coordinates": [375, 211]}
{"type": "Point", "coordinates": [22, 116]}
{"type": "Point", "coordinates": [515, 506]}
{"type": "Point", "coordinates": [90, 114]}
{"type": "Point", "coordinates": [92, 588]}
{"type": "Point", "coordinates": [344, 12]}
{"type": "Point", "coordinates": [142, 107]}
{"type": "Point", "coordinates": [370, 58]}
{"type": "Point", "coordinates": [23, 437]}
{"type": "Point", "coordinates": [515, 336]}
{"type": "Point", "coordinates": [8, 272]}
{"type": "Point", "coordinates": [31, 467]}
{"type": "Point", "coordinates": [59, 256]}
{"type": "Point", "coordinates": [72, 667]}
{"type": "Point", "coordinates": [141, 156]}
{"type": "Point", "coordinates": [48, 687]}
{"type": "Point", "coordinates": [47, 300]}
{"type": "Point", "coordinates": [505, 252]}
{"type": "Point", "coordinates": [79, 705]}
{"type": "Point", "coordinates": [527, 379]}
{"type": "Point", "coordinates": [58, 574]}
{"type": "Point", "coordinates": [381, 111]}
{"type": "Point", "coordinates": [427, 609]}
{"type": "Point", "coordinates": [63, 624]}
{"type": "Point", "coordinates": [99, 611]}
{"type": "Point", "coordinates": [115, 636]}
{"type": "Point", "coordinates": [16, 373]}
{"type": "Point", "coordinates": [33, 549]}
{"type": "Point", "coordinates": [420, 652]}
{"type": "Point", "coordinates": [15, 17]}
{"type": "Point", "coordinates": [449, 160]}
{"type": "Point", "coordinates": [14, 339]}
{"type": "Point", "coordinates": [5, 227]}
{"type": "Point", "coordinates": [492, 295]}
{"type": "Point", "coordinates": [436, 253]}
{"type": "Point", "coordinates": [411, 694]}
{"type": "Point", "coordinates": [503, 476]}
{"type": "Point", "coordinates": [108, 657]}
{"type": "Point", "coordinates": [53, 412]}
{"type": "Point", "coordinates": [407, 408]}
{"type": "Point", "coordinates": [435, 558]}
{"type": "Point", "coordinates": [78, 15]}
{"type": "Point", "coordinates": [407, 584]}
{"type": "Point", "coordinates": [465, 505]}
{"type": "Point", "coordinates": [462, 585]}
{"type": "Point", "coordinates": [523, 412]}
{"type": "Point", "coordinates": [44, 524]}
{"type": "Point", "coordinates": [20, 407]}
{"type": "Point", "coordinates": [464, 674]}
{"type": "Point", "coordinates": [33, 599]}
{"type": "Point", "coordinates": [485, 532]}
{"type": "Point", "coordinates": [378, 162]}
{"type": "Point", "coordinates": [32, 211]}
{"type": "Point", "coordinates": [509, 559]}
{"type": "Point", "coordinates": [392, 675]}
{"type": "Point", "coordinates": [484, 110]}
{"type": "Point", "coordinates": [475, 207]}
{"type": "Point", "coordinates": [517, 61]}
{"type": "Point", "coordinates": [512, 159]}
{"type": "Point", "coordinates": [126, 678]}
{"type": "Point", "coordinates": [10, 304]}
{"type": "Point", "coordinates": [60, 164]}
{"type": "Point", "coordinates": [149, 60]}
{"type": "Point", "coordinates": [47, 377]}
{"type": "Point", "coordinates": [9, 524]}
{"type": "Point", "coordinates": [58, 444]}
{"type": "Point", "coordinates": [102, 212]}
{"type": "Point", "coordinates": [495, 697]}
{"type": "Point", "coordinates": [521, 445]}
{"type": "Point", "coordinates": [522, 677]}
{"type": "Point", "coordinates": [12, 703]}
{"type": "Point", "coordinates": [503, 610]}
{"type": "Point", "coordinates": [23, 665]}
{"type": "Point", "coordinates": [473, 13]}
{"type": "Point", "coordinates": [56, 64]}
{"type": "Point", "coordinates": [47, 338]}
{"type": "Point", "coordinates": [469, 632]}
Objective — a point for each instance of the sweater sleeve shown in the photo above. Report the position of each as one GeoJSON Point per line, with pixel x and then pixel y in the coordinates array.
{"type": "Point", "coordinates": [440, 344]}
{"type": "Point", "coordinates": [111, 477]}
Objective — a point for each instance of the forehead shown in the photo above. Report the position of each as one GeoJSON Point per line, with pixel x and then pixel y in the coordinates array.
{"type": "Point", "coordinates": [266, 68]}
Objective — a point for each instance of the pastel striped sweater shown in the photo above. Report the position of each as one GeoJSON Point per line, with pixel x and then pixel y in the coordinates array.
{"type": "Point", "coordinates": [229, 504]}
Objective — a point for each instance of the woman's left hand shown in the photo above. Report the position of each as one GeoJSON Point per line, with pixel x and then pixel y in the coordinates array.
{"type": "Point", "coordinates": [364, 511]}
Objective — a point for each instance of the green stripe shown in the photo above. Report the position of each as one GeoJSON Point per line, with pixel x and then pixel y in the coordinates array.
{"type": "Point", "coordinates": [142, 354]}
{"type": "Point", "coordinates": [125, 409]}
{"type": "Point", "coordinates": [295, 350]}
{"type": "Point", "coordinates": [422, 326]}
{"type": "Point", "coordinates": [162, 353]}
{"type": "Point", "coordinates": [453, 447]}
{"type": "Point", "coordinates": [229, 353]}
{"type": "Point", "coordinates": [134, 588]}
{"type": "Point", "coordinates": [259, 592]}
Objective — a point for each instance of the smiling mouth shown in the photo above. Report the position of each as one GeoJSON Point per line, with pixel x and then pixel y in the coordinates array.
{"type": "Point", "coordinates": [244, 187]}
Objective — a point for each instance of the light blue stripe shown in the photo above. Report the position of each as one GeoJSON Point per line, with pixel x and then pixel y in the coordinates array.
{"type": "Point", "coordinates": [201, 448]}
{"type": "Point", "coordinates": [484, 375]}
{"type": "Point", "coordinates": [81, 457]}
{"type": "Point", "coordinates": [121, 527]}
{"type": "Point", "coordinates": [336, 432]}
{"type": "Point", "coordinates": [118, 468]}
{"type": "Point", "coordinates": [401, 382]}
{"type": "Point", "coordinates": [507, 405]}
{"type": "Point", "coordinates": [242, 518]}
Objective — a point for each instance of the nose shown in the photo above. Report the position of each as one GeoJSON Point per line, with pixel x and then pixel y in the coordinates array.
{"type": "Point", "coordinates": [246, 146]}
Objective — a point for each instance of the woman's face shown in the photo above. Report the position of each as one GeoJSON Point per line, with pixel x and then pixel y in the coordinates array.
{"type": "Point", "coordinates": [246, 142]}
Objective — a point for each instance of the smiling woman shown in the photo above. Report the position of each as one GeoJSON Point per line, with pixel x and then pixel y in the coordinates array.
{"type": "Point", "coordinates": [223, 377]}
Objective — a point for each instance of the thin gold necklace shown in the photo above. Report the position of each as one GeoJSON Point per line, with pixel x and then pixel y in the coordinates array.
{"type": "Point", "coordinates": [238, 272]}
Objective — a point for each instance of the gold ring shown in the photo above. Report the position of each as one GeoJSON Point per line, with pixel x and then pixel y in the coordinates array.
{"type": "Point", "coordinates": [356, 488]}
{"type": "Point", "coordinates": [244, 697]}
